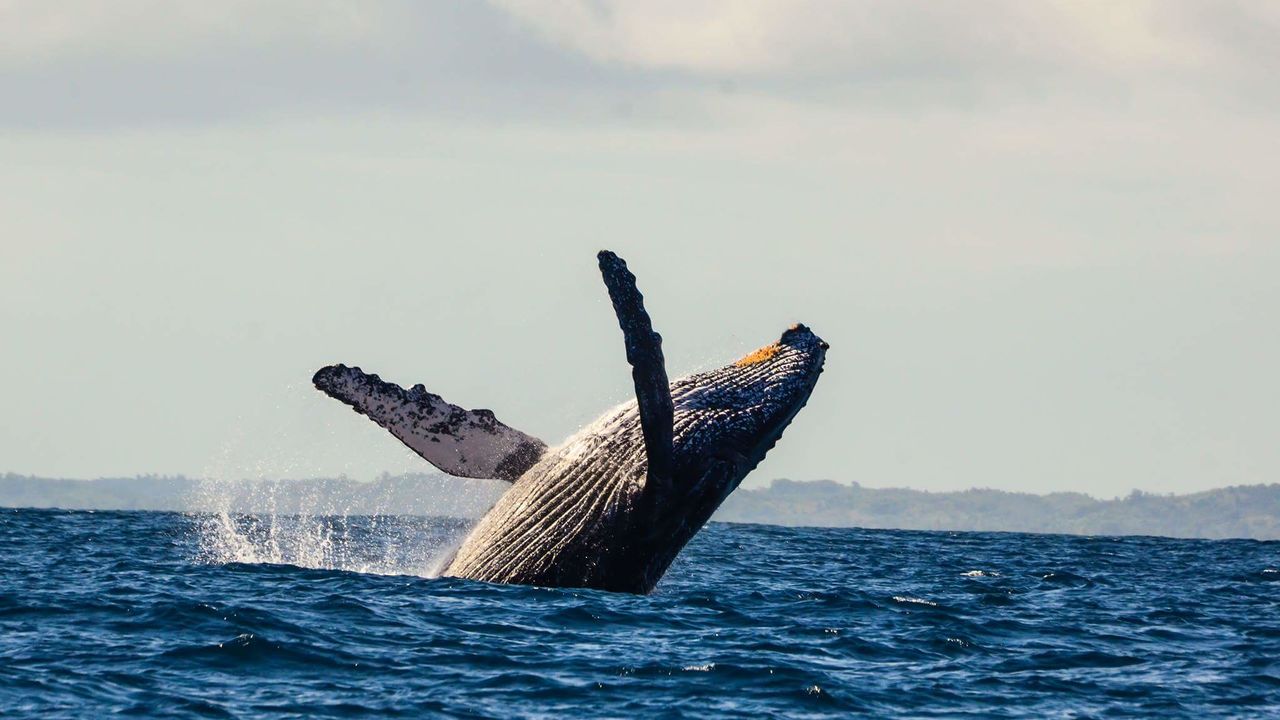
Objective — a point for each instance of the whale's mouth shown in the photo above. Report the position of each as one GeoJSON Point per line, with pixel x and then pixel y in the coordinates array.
{"type": "Point", "coordinates": [813, 351]}
{"type": "Point", "coordinates": [739, 411]}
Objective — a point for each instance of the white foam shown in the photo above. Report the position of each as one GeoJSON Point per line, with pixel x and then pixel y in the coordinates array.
{"type": "Point", "coordinates": [321, 536]}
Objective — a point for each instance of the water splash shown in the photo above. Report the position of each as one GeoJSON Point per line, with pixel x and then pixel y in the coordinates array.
{"type": "Point", "coordinates": [383, 545]}
{"type": "Point", "coordinates": [397, 524]}
{"type": "Point", "coordinates": [333, 525]}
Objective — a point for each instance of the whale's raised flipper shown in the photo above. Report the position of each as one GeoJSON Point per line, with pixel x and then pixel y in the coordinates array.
{"type": "Point", "coordinates": [466, 443]}
{"type": "Point", "coordinates": [648, 368]}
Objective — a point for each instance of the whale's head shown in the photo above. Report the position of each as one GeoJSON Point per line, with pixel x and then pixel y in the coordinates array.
{"type": "Point", "coordinates": [727, 419]}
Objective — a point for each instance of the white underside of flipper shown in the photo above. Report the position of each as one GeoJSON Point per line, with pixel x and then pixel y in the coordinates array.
{"type": "Point", "coordinates": [466, 443]}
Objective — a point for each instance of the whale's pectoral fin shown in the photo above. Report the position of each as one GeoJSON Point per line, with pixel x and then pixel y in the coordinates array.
{"type": "Point", "coordinates": [466, 443]}
{"type": "Point", "coordinates": [648, 368]}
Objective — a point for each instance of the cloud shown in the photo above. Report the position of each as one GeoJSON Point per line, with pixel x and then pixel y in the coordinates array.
{"type": "Point", "coordinates": [33, 31]}
{"type": "Point", "coordinates": [752, 38]}
{"type": "Point", "coordinates": [86, 64]}
{"type": "Point", "coordinates": [138, 64]}
{"type": "Point", "coordinates": [915, 52]}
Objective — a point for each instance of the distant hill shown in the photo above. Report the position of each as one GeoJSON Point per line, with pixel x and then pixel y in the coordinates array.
{"type": "Point", "coordinates": [1243, 511]}
{"type": "Point", "coordinates": [1247, 511]}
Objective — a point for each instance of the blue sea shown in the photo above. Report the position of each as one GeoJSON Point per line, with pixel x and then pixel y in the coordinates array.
{"type": "Point", "coordinates": [169, 615]}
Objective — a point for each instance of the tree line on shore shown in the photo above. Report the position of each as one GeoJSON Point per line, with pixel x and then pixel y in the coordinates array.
{"type": "Point", "coordinates": [1242, 511]}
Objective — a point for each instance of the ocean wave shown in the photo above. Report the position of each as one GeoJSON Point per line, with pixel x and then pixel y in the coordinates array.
{"type": "Point", "coordinates": [147, 613]}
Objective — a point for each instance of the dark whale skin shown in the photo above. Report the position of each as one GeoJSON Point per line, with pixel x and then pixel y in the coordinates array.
{"type": "Point", "coordinates": [587, 514]}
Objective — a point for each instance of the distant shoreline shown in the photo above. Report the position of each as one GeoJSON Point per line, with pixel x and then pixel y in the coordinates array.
{"type": "Point", "coordinates": [1243, 511]}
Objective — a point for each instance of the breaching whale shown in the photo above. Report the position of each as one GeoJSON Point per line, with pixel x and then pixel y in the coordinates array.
{"type": "Point", "coordinates": [613, 505]}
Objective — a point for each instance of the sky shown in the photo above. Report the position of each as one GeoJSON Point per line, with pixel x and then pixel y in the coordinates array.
{"type": "Point", "coordinates": [1042, 239]}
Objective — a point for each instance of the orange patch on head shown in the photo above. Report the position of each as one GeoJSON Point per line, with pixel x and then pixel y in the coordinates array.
{"type": "Point", "coordinates": [760, 355]}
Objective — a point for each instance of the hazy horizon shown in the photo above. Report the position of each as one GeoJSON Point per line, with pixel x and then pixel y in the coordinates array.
{"type": "Point", "coordinates": [1239, 511]}
{"type": "Point", "coordinates": [761, 483]}
{"type": "Point", "coordinates": [1041, 239]}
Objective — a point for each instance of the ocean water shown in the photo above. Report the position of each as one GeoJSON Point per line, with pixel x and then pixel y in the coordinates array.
{"type": "Point", "coordinates": [166, 615]}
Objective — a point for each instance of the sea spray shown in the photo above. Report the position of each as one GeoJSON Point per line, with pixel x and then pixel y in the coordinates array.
{"type": "Point", "coordinates": [396, 524]}
{"type": "Point", "coordinates": [332, 525]}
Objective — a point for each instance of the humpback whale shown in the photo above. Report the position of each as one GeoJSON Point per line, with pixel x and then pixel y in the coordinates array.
{"type": "Point", "coordinates": [612, 506]}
